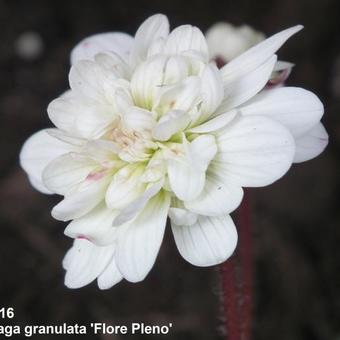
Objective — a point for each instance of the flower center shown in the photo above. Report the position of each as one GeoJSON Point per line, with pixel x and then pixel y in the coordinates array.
{"type": "Point", "coordinates": [124, 139]}
{"type": "Point", "coordinates": [133, 146]}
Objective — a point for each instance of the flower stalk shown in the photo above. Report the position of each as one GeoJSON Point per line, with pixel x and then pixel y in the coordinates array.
{"type": "Point", "coordinates": [237, 281]}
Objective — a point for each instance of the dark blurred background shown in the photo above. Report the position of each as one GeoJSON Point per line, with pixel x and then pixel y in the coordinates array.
{"type": "Point", "coordinates": [295, 221]}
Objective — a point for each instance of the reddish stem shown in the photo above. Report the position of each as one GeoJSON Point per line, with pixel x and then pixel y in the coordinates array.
{"type": "Point", "coordinates": [237, 277]}
{"type": "Point", "coordinates": [230, 300]}
{"type": "Point", "coordinates": [246, 275]}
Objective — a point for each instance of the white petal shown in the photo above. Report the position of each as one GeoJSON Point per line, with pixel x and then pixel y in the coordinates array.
{"type": "Point", "coordinates": [147, 81]}
{"type": "Point", "coordinates": [68, 258]}
{"type": "Point", "coordinates": [196, 61]}
{"type": "Point", "coordinates": [82, 200]}
{"type": "Point", "coordinates": [212, 89]}
{"type": "Point", "coordinates": [257, 55]}
{"type": "Point", "coordinates": [297, 109]}
{"type": "Point", "coordinates": [156, 168]}
{"type": "Point", "coordinates": [245, 87]}
{"type": "Point", "coordinates": [187, 176]}
{"type": "Point", "coordinates": [186, 38]}
{"type": "Point", "coordinates": [137, 119]}
{"type": "Point", "coordinates": [139, 242]}
{"type": "Point", "coordinates": [66, 171]}
{"type": "Point", "coordinates": [114, 63]}
{"type": "Point", "coordinates": [119, 43]}
{"type": "Point", "coordinates": [182, 96]}
{"type": "Point", "coordinates": [156, 47]}
{"type": "Point", "coordinates": [110, 276]}
{"type": "Point", "coordinates": [282, 66]}
{"type": "Point", "coordinates": [182, 217]}
{"type": "Point", "coordinates": [254, 151]}
{"type": "Point", "coordinates": [125, 187]}
{"type": "Point", "coordinates": [218, 197]}
{"type": "Point", "coordinates": [132, 209]}
{"type": "Point", "coordinates": [311, 144]}
{"type": "Point", "coordinates": [102, 150]}
{"type": "Point", "coordinates": [91, 80]}
{"type": "Point", "coordinates": [85, 263]}
{"type": "Point", "coordinates": [169, 124]}
{"type": "Point", "coordinates": [202, 150]}
{"type": "Point", "coordinates": [175, 69]}
{"type": "Point", "coordinates": [185, 181]}
{"type": "Point", "coordinates": [78, 117]}
{"type": "Point", "coordinates": [61, 112]}
{"type": "Point", "coordinates": [121, 97]}
{"type": "Point", "coordinates": [154, 76]}
{"type": "Point", "coordinates": [38, 151]}
{"type": "Point", "coordinates": [39, 185]}
{"type": "Point", "coordinates": [208, 242]}
{"type": "Point", "coordinates": [152, 29]}
{"type": "Point", "coordinates": [94, 226]}
{"type": "Point", "coordinates": [77, 143]}
{"type": "Point", "coordinates": [216, 123]}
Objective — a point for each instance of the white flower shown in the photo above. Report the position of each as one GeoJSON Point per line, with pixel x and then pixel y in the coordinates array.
{"type": "Point", "coordinates": [150, 129]}
{"type": "Point", "coordinates": [227, 41]}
